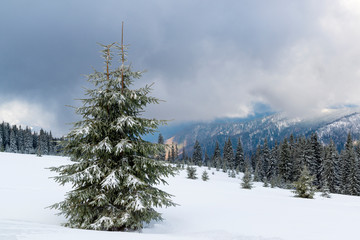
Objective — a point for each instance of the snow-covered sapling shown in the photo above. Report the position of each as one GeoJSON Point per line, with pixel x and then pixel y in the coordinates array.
{"type": "Point", "coordinates": [304, 187]}
{"type": "Point", "coordinates": [191, 172]}
{"type": "Point", "coordinates": [205, 176]}
{"type": "Point", "coordinates": [246, 180]}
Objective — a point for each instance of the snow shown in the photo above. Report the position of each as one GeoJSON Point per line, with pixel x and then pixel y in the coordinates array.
{"type": "Point", "coordinates": [214, 210]}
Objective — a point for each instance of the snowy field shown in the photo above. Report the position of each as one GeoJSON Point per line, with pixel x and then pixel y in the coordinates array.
{"type": "Point", "coordinates": [218, 209]}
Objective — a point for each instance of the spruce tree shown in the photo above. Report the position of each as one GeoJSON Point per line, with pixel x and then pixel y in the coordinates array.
{"type": "Point", "coordinates": [304, 187]}
{"type": "Point", "coordinates": [246, 180]}
{"type": "Point", "coordinates": [229, 159]}
{"type": "Point", "coordinates": [285, 164]}
{"type": "Point", "coordinates": [328, 168]}
{"type": "Point", "coordinates": [239, 157]}
{"type": "Point", "coordinates": [216, 160]}
{"type": "Point", "coordinates": [12, 147]}
{"type": "Point", "coordinates": [266, 160]}
{"type": "Point", "coordinates": [206, 160]}
{"type": "Point", "coordinates": [114, 179]}
{"type": "Point", "coordinates": [191, 172]}
{"type": "Point", "coordinates": [197, 154]}
{"type": "Point", "coordinates": [205, 176]}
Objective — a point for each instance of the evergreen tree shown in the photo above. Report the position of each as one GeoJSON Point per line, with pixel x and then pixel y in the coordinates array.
{"type": "Point", "coordinates": [328, 168]}
{"type": "Point", "coordinates": [205, 176]}
{"type": "Point", "coordinates": [114, 179]}
{"type": "Point", "coordinates": [206, 159]}
{"type": "Point", "coordinates": [162, 152]}
{"type": "Point", "coordinates": [317, 159]}
{"type": "Point", "coordinates": [12, 147]}
{"type": "Point", "coordinates": [217, 157]}
{"type": "Point", "coordinates": [273, 168]}
{"type": "Point", "coordinates": [304, 187]}
{"type": "Point", "coordinates": [1, 138]}
{"type": "Point", "coordinates": [285, 164]}
{"type": "Point", "coordinates": [191, 172]}
{"type": "Point", "coordinates": [184, 156]}
{"type": "Point", "coordinates": [246, 180]}
{"type": "Point", "coordinates": [350, 178]}
{"type": "Point", "coordinates": [197, 154]}
{"type": "Point", "coordinates": [258, 173]}
{"type": "Point", "coordinates": [239, 157]}
{"type": "Point", "coordinates": [176, 157]}
{"type": "Point", "coordinates": [229, 159]}
{"type": "Point", "coordinates": [266, 160]}
{"type": "Point", "coordinates": [172, 153]}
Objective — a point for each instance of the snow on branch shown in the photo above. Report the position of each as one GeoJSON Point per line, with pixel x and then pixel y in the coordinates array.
{"type": "Point", "coordinates": [104, 145]}
{"type": "Point", "coordinates": [111, 181]}
{"type": "Point", "coordinates": [122, 146]}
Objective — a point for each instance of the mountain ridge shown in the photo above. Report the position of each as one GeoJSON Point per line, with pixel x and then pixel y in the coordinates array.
{"type": "Point", "coordinates": [332, 124]}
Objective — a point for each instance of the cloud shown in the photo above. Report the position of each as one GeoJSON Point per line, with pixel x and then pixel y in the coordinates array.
{"type": "Point", "coordinates": [18, 112]}
{"type": "Point", "coordinates": [208, 58]}
{"type": "Point", "coordinates": [316, 69]}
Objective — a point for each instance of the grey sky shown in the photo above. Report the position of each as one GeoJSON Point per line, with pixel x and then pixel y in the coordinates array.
{"type": "Point", "coordinates": [207, 58]}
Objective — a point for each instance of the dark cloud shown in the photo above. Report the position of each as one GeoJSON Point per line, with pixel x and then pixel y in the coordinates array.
{"type": "Point", "coordinates": [208, 58]}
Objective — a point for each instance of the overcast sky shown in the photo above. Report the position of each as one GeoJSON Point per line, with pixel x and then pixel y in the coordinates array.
{"type": "Point", "coordinates": [208, 59]}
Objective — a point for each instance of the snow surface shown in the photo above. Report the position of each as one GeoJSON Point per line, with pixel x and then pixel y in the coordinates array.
{"type": "Point", "coordinates": [215, 210]}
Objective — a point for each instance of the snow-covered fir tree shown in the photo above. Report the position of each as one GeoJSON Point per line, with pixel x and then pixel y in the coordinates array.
{"type": "Point", "coordinates": [205, 176]}
{"type": "Point", "coordinates": [216, 159]}
{"type": "Point", "coordinates": [266, 160]}
{"type": "Point", "coordinates": [191, 172]}
{"type": "Point", "coordinates": [1, 138]}
{"type": "Point", "coordinates": [285, 164]}
{"type": "Point", "coordinates": [162, 153]}
{"type": "Point", "coordinates": [206, 159]}
{"type": "Point", "coordinates": [197, 154]}
{"type": "Point", "coordinates": [12, 145]}
{"type": "Point", "coordinates": [328, 168]}
{"type": "Point", "coordinates": [304, 187]}
{"type": "Point", "coordinates": [228, 158]}
{"type": "Point", "coordinates": [239, 157]}
{"type": "Point", "coordinates": [246, 180]}
{"type": "Point", "coordinates": [114, 179]}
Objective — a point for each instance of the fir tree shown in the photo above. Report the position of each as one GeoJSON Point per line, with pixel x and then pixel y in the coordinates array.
{"type": "Point", "coordinates": [239, 157]}
{"type": "Point", "coordinates": [191, 172]}
{"type": "Point", "coordinates": [1, 138]}
{"type": "Point", "coordinates": [206, 160]}
{"type": "Point", "coordinates": [228, 158]}
{"type": "Point", "coordinates": [172, 153]}
{"type": "Point", "coordinates": [197, 154]}
{"type": "Point", "coordinates": [285, 164]}
{"type": "Point", "coordinates": [12, 147]}
{"type": "Point", "coordinates": [315, 167]}
{"type": "Point", "coordinates": [304, 187]}
{"type": "Point", "coordinates": [328, 168]}
{"type": "Point", "coordinates": [246, 180]}
{"type": "Point", "coordinates": [266, 160]}
{"type": "Point", "coordinates": [205, 176]}
{"type": "Point", "coordinates": [216, 160]}
{"type": "Point", "coordinates": [114, 180]}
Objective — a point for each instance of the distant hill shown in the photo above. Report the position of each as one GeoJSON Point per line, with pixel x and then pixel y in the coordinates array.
{"type": "Point", "coordinates": [331, 124]}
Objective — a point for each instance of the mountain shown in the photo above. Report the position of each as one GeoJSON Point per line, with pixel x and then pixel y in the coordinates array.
{"type": "Point", "coordinates": [329, 124]}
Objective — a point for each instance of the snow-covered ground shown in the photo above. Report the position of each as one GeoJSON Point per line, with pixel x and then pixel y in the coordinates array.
{"type": "Point", "coordinates": [218, 209]}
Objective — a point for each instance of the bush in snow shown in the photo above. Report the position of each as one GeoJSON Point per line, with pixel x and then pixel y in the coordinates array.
{"type": "Point", "coordinates": [114, 179]}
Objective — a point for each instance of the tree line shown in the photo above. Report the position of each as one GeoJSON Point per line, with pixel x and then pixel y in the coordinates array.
{"type": "Point", "coordinates": [282, 164]}
{"type": "Point", "coordinates": [15, 139]}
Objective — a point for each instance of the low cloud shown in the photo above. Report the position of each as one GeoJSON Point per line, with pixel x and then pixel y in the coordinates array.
{"type": "Point", "coordinates": [19, 112]}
